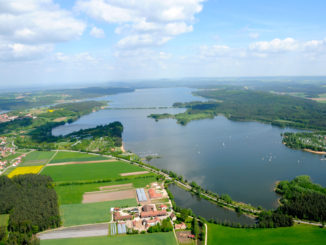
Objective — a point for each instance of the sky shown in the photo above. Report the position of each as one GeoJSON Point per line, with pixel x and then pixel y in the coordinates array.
{"type": "Point", "coordinates": [50, 42]}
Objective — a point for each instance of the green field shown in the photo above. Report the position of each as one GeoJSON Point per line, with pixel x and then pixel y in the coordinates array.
{"type": "Point", "coordinates": [69, 194]}
{"type": "Point", "coordinates": [90, 171]}
{"type": "Point", "coordinates": [4, 218]}
{"type": "Point", "coordinates": [36, 158]}
{"type": "Point", "coordinates": [66, 156]}
{"type": "Point", "coordinates": [299, 234]}
{"type": "Point", "coordinates": [89, 213]}
{"type": "Point", "coordinates": [146, 239]}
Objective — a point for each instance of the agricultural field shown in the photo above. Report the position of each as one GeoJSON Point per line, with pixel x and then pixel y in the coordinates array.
{"type": "Point", "coordinates": [89, 171]}
{"type": "Point", "coordinates": [37, 158]}
{"type": "Point", "coordinates": [25, 170]}
{"type": "Point", "coordinates": [4, 218]}
{"type": "Point", "coordinates": [89, 213]}
{"type": "Point", "coordinates": [69, 194]}
{"type": "Point", "coordinates": [298, 234]}
{"type": "Point", "coordinates": [66, 156]}
{"type": "Point", "coordinates": [143, 239]}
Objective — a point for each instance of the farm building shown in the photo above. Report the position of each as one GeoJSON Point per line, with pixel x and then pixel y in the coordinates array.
{"type": "Point", "coordinates": [141, 195]}
{"type": "Point", "coordinates": [148, 208]}
{"type": "Point", "coordinates": [153, 194]}
{"type": "Point", "coordinates": [117, 216]}
{"type": "Point", "coordinates": [152, 214]}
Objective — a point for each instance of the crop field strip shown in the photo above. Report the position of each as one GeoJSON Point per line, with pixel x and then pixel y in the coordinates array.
{"type": "Point", "coordinates": [66, 156]}
{"type": "Point", "coordinates": [69, 194]}
{"type": "Point", "coordinates": [35, 158]}
{"type": "Point", "coordinates": [161, 238]}
{"type": "Point", "coordinates": [91, 171]}
{"type": "Point", "coordinates": [25, 170]}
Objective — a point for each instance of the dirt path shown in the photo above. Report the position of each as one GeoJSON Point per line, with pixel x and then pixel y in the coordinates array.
{"type": "Point", "coordinates": [206, 233]}
{"type": "Point", "coordinates": [52, 157]}
{"type": "Point", "coordinates": [82, 162]}
{"type": "Point", "coordinates": [134, 173]}
{"type": "Point", "coordinates": [76, 231]}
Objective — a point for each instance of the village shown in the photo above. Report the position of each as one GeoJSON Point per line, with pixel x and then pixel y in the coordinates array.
{"type": "Point", "coordinates": [6, 118]}
{"type": "Point", "coordinates": [8, 154]}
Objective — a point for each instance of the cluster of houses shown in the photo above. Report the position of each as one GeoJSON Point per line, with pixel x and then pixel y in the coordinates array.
{"type": "Point", "coordinates": [142, 217]}
{"type": "Point", "coordinates": [5, 118]}
{"type": "Point", "coordinates": [6, 151]}
{"type": "Point", "coordinates": [152, 209]}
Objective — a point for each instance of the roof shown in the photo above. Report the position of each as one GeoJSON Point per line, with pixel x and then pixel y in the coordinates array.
{"type": "Point", "coordinates": [153, 213]}
{"type": "Point", "coordinates": [153, 194]}
{"type": "Point", "coordinates": [147, 208]}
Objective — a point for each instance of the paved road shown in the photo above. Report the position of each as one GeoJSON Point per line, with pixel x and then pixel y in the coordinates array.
{"type": "Point", "coordinates": [76, 231]}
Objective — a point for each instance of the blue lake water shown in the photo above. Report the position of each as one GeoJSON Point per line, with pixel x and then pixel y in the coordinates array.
{"type": "Point", "coordinates": [242, 159]}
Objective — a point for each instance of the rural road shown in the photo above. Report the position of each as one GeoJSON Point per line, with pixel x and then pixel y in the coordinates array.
{"type": "Point", "coordinates": [76, 231]}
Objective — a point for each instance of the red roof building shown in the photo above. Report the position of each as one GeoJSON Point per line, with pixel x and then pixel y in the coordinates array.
{"type": "Point", "coordinates": [152, 214]}
{"type": "Point", "coordinates": [153, 194]}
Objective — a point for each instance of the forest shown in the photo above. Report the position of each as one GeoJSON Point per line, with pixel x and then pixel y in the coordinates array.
{"type": "Point", "coordinates": [302, 199]}
{"type": "Point", "coordinates": [32, 204]}
{"type": "Point", "coordinates": [20, 101]}
{"type": "Point", "coordinates": [251, 105]}
{"type": "Point", "coordinates": [103, 138]}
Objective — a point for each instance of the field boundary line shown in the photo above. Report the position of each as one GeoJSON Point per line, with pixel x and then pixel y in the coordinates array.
{"type": "Point", "coordinates": [80, 162]}
{"type": "Point", "coordinates": [68, 227]}
{"type": "Point", "coordinates": [51, 158]}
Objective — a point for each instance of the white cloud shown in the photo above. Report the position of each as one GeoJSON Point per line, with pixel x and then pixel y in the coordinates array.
{"type": "Point", "coordinates": [97, 32]}
{"type": "Point", "coordinates": [144, 22]}
{"type": "Point", "coordinates": [19, 52]}
{"type": "Point", "coordinates": [264, 49]}
{"type": "Point", "coordinates": [35, 25]}
{"type": "Point", "coordinates": [276, 45]}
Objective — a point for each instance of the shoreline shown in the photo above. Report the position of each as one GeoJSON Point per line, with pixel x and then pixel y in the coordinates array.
{"type": "Point", "coordinates": [122, 148]}
{"type": "Point", "coordinates": [315, 152]}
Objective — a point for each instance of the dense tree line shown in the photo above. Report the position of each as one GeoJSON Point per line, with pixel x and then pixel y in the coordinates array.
{"type": "Point", "coordinates": [32, 204]}
{"type": "Point", "coordinates": [274, 219]}
{"type": "Point", "coordinates": [303, 199]}
{"type": "Point", "coordinates": [166, 226]}
{"type": "Point", "coordinates": [7, 127]}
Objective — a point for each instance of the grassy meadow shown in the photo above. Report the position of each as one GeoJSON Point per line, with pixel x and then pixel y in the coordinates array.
{"type": "Point", "coordinates": [66, 156]}
{"type": "Point", "coordinates": [143, 239]}
{"type": "Point", "coordinates": [90, 213]}
{"type": "Point", "coordinates": [69, 194]}
{"type": "Point", "coordinates": [90, 171]}
{"type": "Point", "coordinates": [298, 234]}
{"type": "Point", "coordinates": [4, 218]}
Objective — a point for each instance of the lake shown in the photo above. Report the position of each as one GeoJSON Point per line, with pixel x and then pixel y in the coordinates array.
{"type": "Point", "coordinates": [242, 159]}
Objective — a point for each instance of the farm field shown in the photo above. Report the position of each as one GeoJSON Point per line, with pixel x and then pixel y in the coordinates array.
{"type": "Point", "coordinates": [69, 194]}
{"type": "Point", "coordinates": [144, 239]}
{"type": "Point", "coordinates": [66, 156]}
{"type": "Point", "coordinates": [4, 218]}
{"type": "Point", "coordinates": [89, 213]}
{"type": "Point", "coordinates": [299, 234]}
{"type": "Point", "coordinates": [37, 158]}
{"type": "Point", "coordinates": [90, 171]}
{"type": "Point", "coordinates": [25, 170]}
